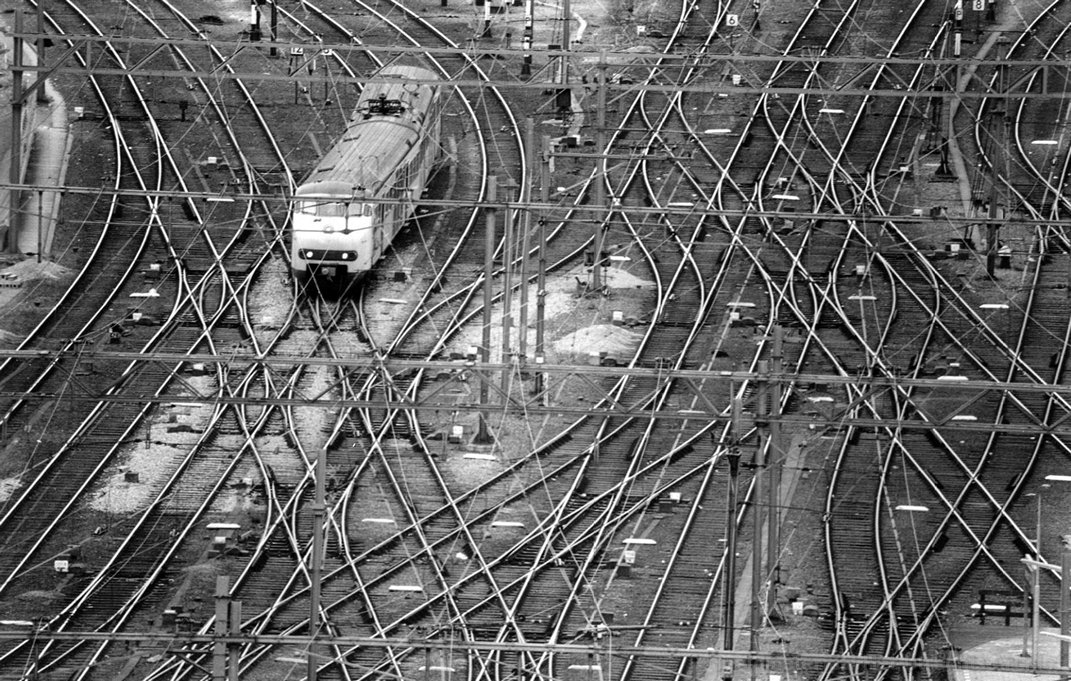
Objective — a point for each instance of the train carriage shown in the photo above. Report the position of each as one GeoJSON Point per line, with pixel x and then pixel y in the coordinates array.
{"type": "Point", "coordinates": [352, 204]}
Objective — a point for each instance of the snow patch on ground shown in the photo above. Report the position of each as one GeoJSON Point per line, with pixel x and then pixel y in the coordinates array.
{"type": "Point", "coordinates": [272, 297]}
{"type": "Point", "coordinates": [614, 340]}
{"type": "Point", "coordinates": [152, 463]}
{"type": "Point", "coordinates": [313, 422]}
{"type": "Point", "coordinates": [38, 595]}
{"type": "Point", "coordinates": [615, 277]}
{"type": "Point", "coordinates": [298, 342]}
{"type": "Point", "coordinates": [30, 269]}
{"type": "Point", "coordinates": [285, 463]}
{"type": "Point", "coordinates": [8, 487]}
{"type": "Point", "coordinates": [15, 279]}
{"type": "Point", "coordinates": [563, 297]}
{"type": "Point", "coordinates": [174, 429]}
{"type": "Point", "coordinates": [231, 501]}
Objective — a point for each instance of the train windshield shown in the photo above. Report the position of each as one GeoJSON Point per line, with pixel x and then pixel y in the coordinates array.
{"type": "Point", "coordinates": [336, 209]}
{"type": "Point", "coordinates": [324, 209]}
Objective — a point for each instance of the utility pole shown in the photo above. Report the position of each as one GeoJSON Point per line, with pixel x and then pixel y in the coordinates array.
{"type": "Point", "coordinates": [1031, 577]}
{"type": "Point", "coordinates": [757, 498]}
{"type": "Point", "coordinates": [40, 224]}
{"type": "Point", "coordinates": [508, 236]}
{"type": "Point", "coordinates": [600, 176]}
{"type": "Point", "coordinates": [1035, 609]}
{"type": "Point", "coordinates": [996, 214]}
{"type": "Point", "coordinates": [327, 54]}
{"type": "Point", "coordinates": [274, 51]}
{"type": "Point", "coordinates": [15, 196]}
{"type": "Point", "coordinates": [564, 98]}
{"type": "Point", "coordinates": [541, 278]}
{"type": "Point", "coordinates": [729, 581]}
{"type": "Point", "coordinates": [319, 508]}
{"type": "Point", "coordinates": [1065, 602]}
{"type": "Point", "coordinates": [41, 42]}
{"type": "Point", "coordinates": [775, 461]}
{"type": "Point", "coordinates": [1031, 574]}
{"type": "Point", "coordinates": [526, 227]}
{"type": "Point", "coordinates": [297, 54]}
{"type": "Point", "coordinates": [227, 622]}
{"type": "Point", "coordinates": [1035, 615]}
{"type": "Point", "coordinates": [567, 12]}
{"type": "Point", "coordinates": [488, 268]}
{"type": "Point", "coordinates": [219, 628]}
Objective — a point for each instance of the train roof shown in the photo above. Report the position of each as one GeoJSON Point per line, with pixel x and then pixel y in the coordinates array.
{"type": "Point", "coordinates": [388, 120]}
{"type": "Point", "coordinates": [385, 79]}
{"type": "Point", "coordinates": [326, 189]}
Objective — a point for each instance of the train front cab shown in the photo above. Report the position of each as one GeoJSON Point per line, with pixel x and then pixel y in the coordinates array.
{"type": "Point", "coordinates": [332, 237]}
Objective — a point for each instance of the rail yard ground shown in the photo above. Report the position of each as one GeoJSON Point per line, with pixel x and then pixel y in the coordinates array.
{"type": "Point", "coordinates": [584, 327]}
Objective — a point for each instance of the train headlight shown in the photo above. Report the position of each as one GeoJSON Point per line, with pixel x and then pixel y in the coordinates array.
{"type": "Point", "coordinates": [345, 256]}
{"type": "Point", "coordinates": [309, 255]}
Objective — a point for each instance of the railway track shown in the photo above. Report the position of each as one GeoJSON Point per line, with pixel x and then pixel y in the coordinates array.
{"type": "Point", "coordinates": [529, 537]}
{"type": "Point", "coordinates": [207, 276]}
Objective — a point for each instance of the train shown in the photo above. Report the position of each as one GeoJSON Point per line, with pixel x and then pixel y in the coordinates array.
{"type": "Point", "coordinates": [352, 204]}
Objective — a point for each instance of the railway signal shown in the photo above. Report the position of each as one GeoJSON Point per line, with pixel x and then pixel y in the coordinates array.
{"type": "Point", "coordinates": [957, 28]}
{"type": "Point", "coordinates": [227, 623]}
{"type": "Point", "coordinates": [296, 58]}
{"type": "Point", "coordinates": [254, 21]}
{"type": "Point", "coordinates": [526, 38]}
